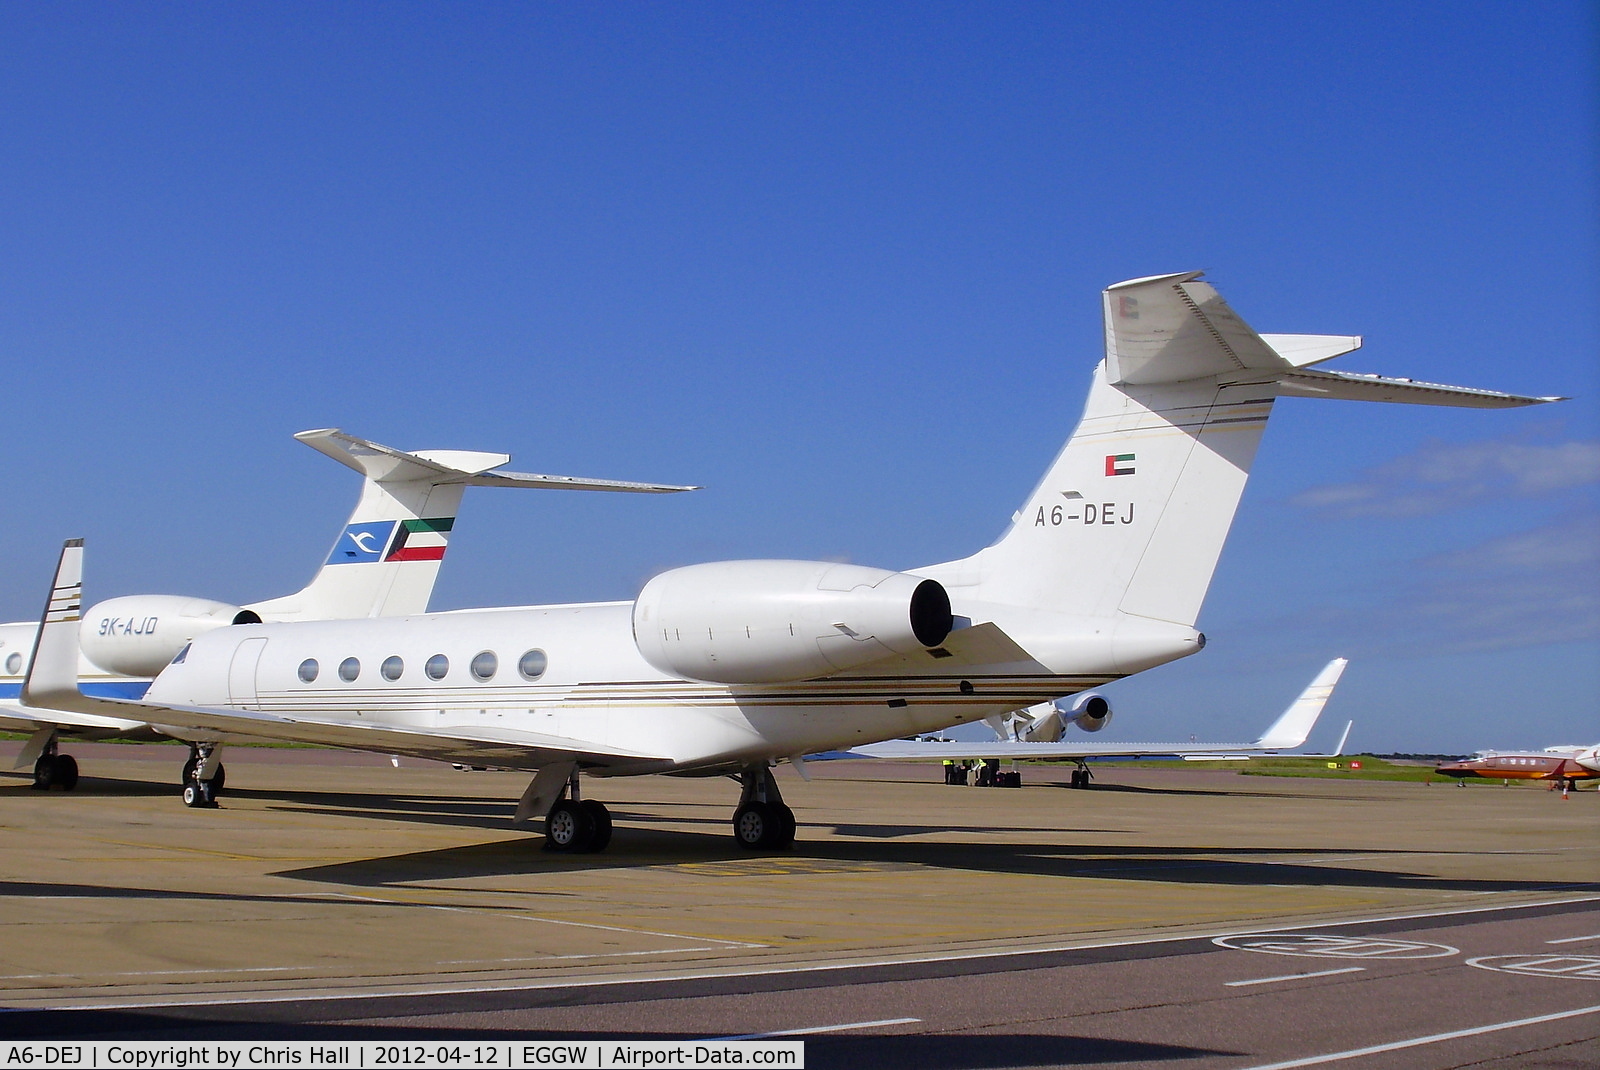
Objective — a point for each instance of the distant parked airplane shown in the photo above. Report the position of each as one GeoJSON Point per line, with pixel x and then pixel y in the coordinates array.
{"type": "Point", "coordinates": [1020, 736]}
{"type": "Point", "coordinates": [1559, 765]}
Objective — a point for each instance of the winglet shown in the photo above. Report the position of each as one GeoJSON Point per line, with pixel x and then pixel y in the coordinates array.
{"type": "Point", "coordinates": [1343, 739]}
{"type": "Point", "coordinates": [1291, 729]}
{"type": "Point", "coordinates": [53, 668]}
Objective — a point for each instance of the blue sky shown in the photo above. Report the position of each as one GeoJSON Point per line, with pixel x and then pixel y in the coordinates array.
{"type": "Point", "coordinates": [838, 263]}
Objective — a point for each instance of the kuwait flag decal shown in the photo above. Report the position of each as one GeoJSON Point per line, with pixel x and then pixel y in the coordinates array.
{"type": "Point", "coordinates": [1120, 464]}
{"type": "Point", "coordinates": [421, 540]}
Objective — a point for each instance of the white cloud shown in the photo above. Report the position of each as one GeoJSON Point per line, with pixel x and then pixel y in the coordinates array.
{"type": "Point", "coordinates": [1443, 476]}
{"type": "Point", "coordinates": [1526, 589]}
{"type": "Point", "coordinates": [1529, 588]}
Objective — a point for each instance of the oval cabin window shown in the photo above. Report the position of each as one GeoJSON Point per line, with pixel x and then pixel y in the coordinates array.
{"type": "Point", "coordinates": [392, 667]}
{"type": "Point", "coordinates": [349, 669]}
{"type": "Point", "coordinates": [533, 665]}
{"type": "Point", "coordinates": [437, 667]}
{"type": "Point", "coordinates": [485, 665]}
{"type": "Point", "coordinates": [308, 671]}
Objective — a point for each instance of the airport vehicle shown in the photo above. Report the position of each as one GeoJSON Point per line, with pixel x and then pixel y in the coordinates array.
{"type": "Point", "coordinates": [383, 564]}
{"type": "Point", "coordinates": [728, 668]}
{"type": "Point", "coordinates": [1563, 766]}
{"type": "Point", "coordinates": [1035, 734]}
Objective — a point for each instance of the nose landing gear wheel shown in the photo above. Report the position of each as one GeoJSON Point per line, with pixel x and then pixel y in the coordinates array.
{"type": "Point", "coordinates": [217, 781]}
{"type": "Point", "coordinates": [199, 794]}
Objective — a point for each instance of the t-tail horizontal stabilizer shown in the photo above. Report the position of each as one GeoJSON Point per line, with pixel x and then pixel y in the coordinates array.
{"type": "Point", "coordinates": [1174, 328]}
{"type": "Point", "coordinates": [385, 464]}
{"type": "Point", "coordinates": [387, 558]}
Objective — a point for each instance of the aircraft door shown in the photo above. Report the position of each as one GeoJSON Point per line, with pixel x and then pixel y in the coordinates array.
{"type": "Point", "coordinates": [242, 672]}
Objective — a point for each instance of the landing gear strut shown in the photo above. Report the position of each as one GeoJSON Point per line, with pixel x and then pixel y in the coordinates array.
{"type": "Point", "coordinates": [203, 775]}
{"type": "Point", "coordinates": [54, 770]}
{"type": "Point", "coordinates": [762, 821]}
{"type": "Point", "coordinates": [576, 825]}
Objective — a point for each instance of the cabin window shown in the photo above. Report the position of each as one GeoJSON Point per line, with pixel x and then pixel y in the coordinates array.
{"type": "Point", "coordinates": [533, 664]}
{"type": "Point", "coordinates": [392, 667]}
{"type": "Point", "coordinates": [177, 658]}
{"type": "Point", "coordinates": [485, 665]}
{"type": "Point", "coordinates": [14, 663]}
{"type": "Point", "coordinates": [349, 669]}
{"type": "Point", "coordinates": [437, 667]}
{"type": "Point", "coordinates": [308, 670]}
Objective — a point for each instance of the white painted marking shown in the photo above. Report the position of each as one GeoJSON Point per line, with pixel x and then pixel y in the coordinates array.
{"type": "Point", "coordinates": [1294, 977]}
{"type": "Point", "coordinates": [547, 921]}
{"type": "Point", "coordinates": [815, 1029]}
{"type": "Point", "coordinates": [1417, 1042]}
{"type": "Point", "coordinates": [1304, 945]}
{"type": "Point", "coordinates": [525, 985]}
{"type": "Point", "coordinates": [1574, 939]}
{"type": "Point", "coordinates": [1586, 967]}
{"type": "Point", "coordinates": [82, 974]}
{"type": "Point", "coordinates": [564, 958]}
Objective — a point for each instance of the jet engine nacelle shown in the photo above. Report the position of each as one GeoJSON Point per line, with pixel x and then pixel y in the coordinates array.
{"type": "Point", "coordinates": [1090, 712]}
{"type": "Point", "coordinates": [1049, 720]}
{"type": "Point", "coordinates": [767, 622]}
{"type": "Point", "coordinates": [140, 634]}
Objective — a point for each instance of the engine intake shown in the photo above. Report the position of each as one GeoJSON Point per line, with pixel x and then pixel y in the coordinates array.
{"type": "Point", "coordinates": [760, 622]}
{"type": "Point", "coordinates": [1090, 712]}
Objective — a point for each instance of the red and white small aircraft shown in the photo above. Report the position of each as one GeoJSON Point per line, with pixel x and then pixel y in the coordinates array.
{"type": "Point", "coordinates": [1559, 765]}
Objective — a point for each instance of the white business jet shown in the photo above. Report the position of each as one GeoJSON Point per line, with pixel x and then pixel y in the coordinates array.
{"type": "Point", "coordinates": [383, 564]}
{"type": "Point", "coordinates": [731, 667]}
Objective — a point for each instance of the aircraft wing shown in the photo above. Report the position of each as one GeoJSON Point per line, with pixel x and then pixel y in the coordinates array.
{"type": "Point", "coordinates": [1290, 730]}
{"type": "Point", "coordinates": [51, 688]}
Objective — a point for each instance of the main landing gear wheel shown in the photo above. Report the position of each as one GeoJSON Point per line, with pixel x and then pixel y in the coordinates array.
{"type": "Point", "coordinates": [200, 794]}
{"type": "Point", "coordinates": [577, 827]}
{"type": "Point", "coordinates": [763, 822]}
{"type": "Point", "coordinates": [217, 782]}
{"type": "Point", "coordinates": [1081, 778]}
{"type": "Point", "coordinates": [601, 817]}
{"type": "Point", "coordinates": [763, 826]}
{"type": "Point", "coordinates": [55, 771]}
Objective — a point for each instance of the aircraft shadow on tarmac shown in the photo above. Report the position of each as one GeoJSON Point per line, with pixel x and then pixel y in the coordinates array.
{"type": "Point", "coordinates": [1211, 793]}
{"type": "Point", "coordinates": [645, 848]}
{"type": "Point", "coordinates": [888, 1052]}
{"type": "Point", "coordinates": [22, 783]}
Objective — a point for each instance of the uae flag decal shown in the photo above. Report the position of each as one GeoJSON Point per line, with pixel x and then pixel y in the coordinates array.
{"type": "Point", "coordinates": [1120, 464]}
{"type": "Point", "coordinates": [421, 540]}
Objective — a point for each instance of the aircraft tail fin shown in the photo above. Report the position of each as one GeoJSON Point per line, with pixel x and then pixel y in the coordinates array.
{"type": "Point", "coordinates": [1130, 519]}
{"type": "Point", "coordinates": [387, 558]}
{"type": "Point", "coordinates": [1294, 726]}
